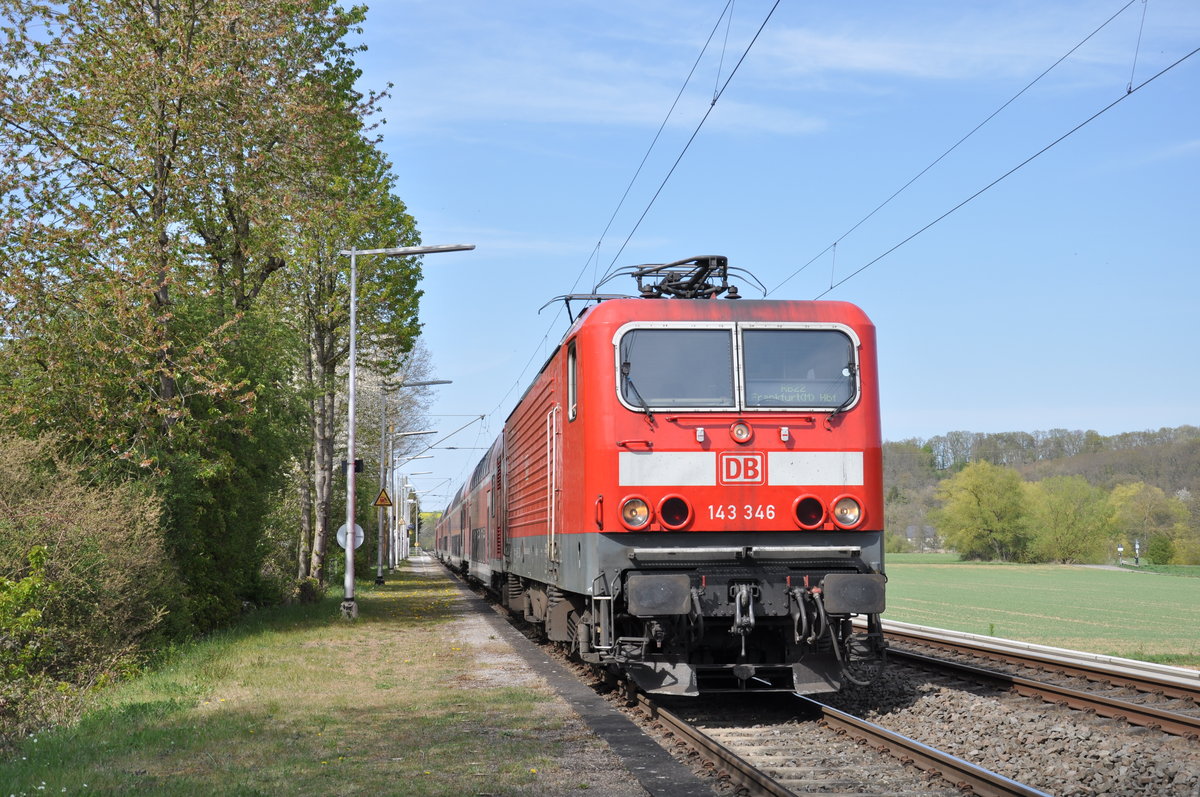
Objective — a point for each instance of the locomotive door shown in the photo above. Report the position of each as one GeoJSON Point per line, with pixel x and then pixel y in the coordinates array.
{"type": "Point", "coordinates": [496, 499]}
{"type": "Point", "coordinates": [553, 478]}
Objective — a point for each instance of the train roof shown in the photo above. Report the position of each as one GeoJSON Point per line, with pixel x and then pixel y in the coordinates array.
{"type": "Point", "coordinates": [637, 309]}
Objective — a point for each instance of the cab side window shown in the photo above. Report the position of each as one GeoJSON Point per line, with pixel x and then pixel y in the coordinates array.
{"type": "Point", "coordinates": [572, 382]}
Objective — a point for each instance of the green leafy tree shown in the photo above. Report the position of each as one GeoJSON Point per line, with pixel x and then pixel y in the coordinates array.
{"type": "Point", "coordinates": [86, 586]}
{"type": "Point", "coordinates": [1070, 521]}
{"type": "Point", "coordinates": [153, 156]}
{"type": "Point", "coordinates": [1147, 515]}
{"type": "Point", "coordinates": [355, 207]}
{"type": "Point", "coordinates": [1188, 547]}
{"type": "Point", "coordinates": [984, 514]}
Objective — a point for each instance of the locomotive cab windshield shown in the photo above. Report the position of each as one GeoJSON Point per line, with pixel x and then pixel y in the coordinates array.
{"type": "Point", "coordinates": [737, 367]}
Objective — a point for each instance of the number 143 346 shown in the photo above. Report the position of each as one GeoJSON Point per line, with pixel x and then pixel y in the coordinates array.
{"type": "Point", "coordinates": [741, 512]}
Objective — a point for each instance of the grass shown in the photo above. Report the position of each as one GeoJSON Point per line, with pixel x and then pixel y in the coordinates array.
{"type": "Point", "coordinates": [1134, 614]}
{"type": "Point", "coordinates": [1185, 571]}
{"type": "Point", "coordinates": [299, 701]}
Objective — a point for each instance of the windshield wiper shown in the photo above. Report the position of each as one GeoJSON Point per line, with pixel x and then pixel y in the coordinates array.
{"type": "Point", "coordinates": [629, 381]}
{"type": "Point", "coordinates": [848, 372]}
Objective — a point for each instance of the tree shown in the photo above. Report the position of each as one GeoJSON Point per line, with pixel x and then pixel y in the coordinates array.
{"type": "Point", "coordinates": [1188, 547]}
{"type": "Point", "coordinates": [983, 513]}
{"type": "Point", "coordinates": [909, 474]}
{"type": "Point", "coordinates": [152, 156]}
{"type": "Point", "coordinates": [354, 206]}
{"type": "Point", "coordinates": [1148, 516]}
{"type": "Point", "coordinates": [1070, 520]}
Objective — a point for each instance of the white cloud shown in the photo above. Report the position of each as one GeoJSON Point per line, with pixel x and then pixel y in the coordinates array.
{"type": "Point", "coordinates": [973, 41]}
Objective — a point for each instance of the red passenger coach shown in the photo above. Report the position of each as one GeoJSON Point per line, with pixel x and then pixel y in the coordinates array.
{"type": "Point", "coordinates": [691, 490]}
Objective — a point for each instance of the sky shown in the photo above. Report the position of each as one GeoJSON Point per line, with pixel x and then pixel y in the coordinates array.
{"type": "Point", "coordinates": [1065, 295]}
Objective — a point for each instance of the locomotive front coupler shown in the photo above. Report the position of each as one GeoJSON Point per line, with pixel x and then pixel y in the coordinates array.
{"type": "Point", "coordinates": [799, 610]}
{"type": "Point", "coordinates": [743, 611]}
{"type": "Point", "coordinates": [696, 617]}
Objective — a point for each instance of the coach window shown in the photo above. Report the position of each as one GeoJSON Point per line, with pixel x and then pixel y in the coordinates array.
{"type": "Point", "coordinates": [799, 368]}
{"type": "Point", "coordinates": [572, 382]}
{"type": "Point", "coordinates": [677, 367]}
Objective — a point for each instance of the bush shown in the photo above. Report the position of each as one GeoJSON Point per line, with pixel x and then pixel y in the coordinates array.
{"type": "Point", "coordinates": [1160, 550]}
{"type": "Point", "coordinates": [894, 542]}
{"type": "Point", "coordinates": [309, 590]}
{"type": "Point", "coordinates": [22, 635]}
{"type": "Point", "coordinates": [84, 574]}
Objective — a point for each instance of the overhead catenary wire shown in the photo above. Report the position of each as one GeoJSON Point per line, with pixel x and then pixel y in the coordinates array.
{"type": "Point", "coordinates": [658, 134]}
{"type": "Point", "coordinates": [445, 437]}
{"type": "Point", "coordinates": [955, 146]}
{"type": "Point", "coordinates": [1137, 48]}
{"type": "Point", "coordinates": [724, 48]}
{"type": "Point", "coordinates": [691, 139]}
{"type": "Point", "coordinates": [541, 346]}
{"type": "Point", "coordinates": [726, 11]}
{"type": "Point", "coordinates": [1131, 90]}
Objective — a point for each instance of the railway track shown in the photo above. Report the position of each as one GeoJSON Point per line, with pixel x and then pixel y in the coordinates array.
{"type": "Point", "coordinates": [1074, 679]}
{"type": "Point", "coordinates": [885, 739]}
{"type": "Point", "coordinates": [787, 758]}
{"type": "Point", "coordinates": [803, 746]}
{"type": "Point", "coordinates": [1141, 675]}
{"type": "Point", "coordinates": [1077, 746]}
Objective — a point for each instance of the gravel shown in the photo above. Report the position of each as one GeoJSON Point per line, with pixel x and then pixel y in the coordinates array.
{"type": "Point", "coordinates": [1054, 749]}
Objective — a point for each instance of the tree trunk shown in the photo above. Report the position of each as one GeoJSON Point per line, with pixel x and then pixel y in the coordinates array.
{"type": "Point", "coordinates": [305, 548]}
{"type": "Point", "coordinates": [303, 563]}
{"type": "Point", "coordinates": [324, 436]}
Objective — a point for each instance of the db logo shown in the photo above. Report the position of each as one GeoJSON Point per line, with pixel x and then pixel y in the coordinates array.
{"type": "Point", "coordinates": [742, 468]}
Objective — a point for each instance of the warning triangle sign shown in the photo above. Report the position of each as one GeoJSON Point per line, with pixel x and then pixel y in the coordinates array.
{"type": "Point", "coordinates": [383, 499]}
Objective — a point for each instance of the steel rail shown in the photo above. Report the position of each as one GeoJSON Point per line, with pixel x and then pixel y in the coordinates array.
{"type": "Point", "coordinates": [1176, 682]}
{"type": "Point", "coordinates": [740, 771]}
{"type": "Point", "coordinates": [963, 774]}
{"type": "Point", "coordinates": [1133, 713]}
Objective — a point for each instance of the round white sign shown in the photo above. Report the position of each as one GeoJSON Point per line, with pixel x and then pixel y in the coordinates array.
{"type": "Point", "coordinates": [359, 536]}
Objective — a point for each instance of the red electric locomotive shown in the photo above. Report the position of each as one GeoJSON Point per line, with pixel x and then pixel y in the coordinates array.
{"type": "Point", "coordinates": [691, 490]}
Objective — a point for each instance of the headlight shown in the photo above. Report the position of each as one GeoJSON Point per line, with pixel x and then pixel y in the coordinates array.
{"type": "Point", "coordinates": [741, 432]}
{"type": "Point", "coordinates": [635, 513]}
{"type": "Point", "coordinates": [847, 512]}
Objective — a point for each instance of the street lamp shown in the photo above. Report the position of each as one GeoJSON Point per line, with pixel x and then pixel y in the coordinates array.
{"type": "Point", "coordinates": [349, 607]}
{"type": "Point", "coordinates": [425, 382]}
{"type": "Point", "coordinates": [385, 461]}
{"type": "Point", "coordinates": [401, 549]}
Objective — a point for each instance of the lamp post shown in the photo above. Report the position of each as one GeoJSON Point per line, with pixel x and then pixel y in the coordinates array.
{"type": "Point", "coordinates": [403, 493]}
{"type": "Point", "coordinates": [417, 513]}
{"type": "Point", "coordinates": [431, 493]}
{"type": "Point", "coordinates": [409, 505]}
{"type": "Point", "coordinates": [394, 548]}
{"type": "Point", "coordinates": [387, 438]}
{"type": "Point", "coordinates": [349, 607]}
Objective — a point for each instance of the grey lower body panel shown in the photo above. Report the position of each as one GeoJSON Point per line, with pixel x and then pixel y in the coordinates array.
{"type": "Point", "coordinates": [708, 612]}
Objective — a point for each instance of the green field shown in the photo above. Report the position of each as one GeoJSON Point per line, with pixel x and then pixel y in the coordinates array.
{"type": "Point", "coordinates": [1135, 614]}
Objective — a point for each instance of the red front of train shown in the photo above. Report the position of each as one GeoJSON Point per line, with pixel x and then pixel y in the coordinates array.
{"type": "Point", "coordinates": [691, 491]}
